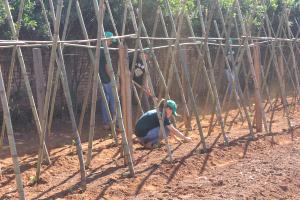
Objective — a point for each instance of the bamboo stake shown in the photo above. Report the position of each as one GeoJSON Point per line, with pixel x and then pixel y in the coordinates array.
{"type": "Point", "coordinates": [201, 133]}
{"type": "Point", "coordinates": [12, 66]}
{"type": "Point", "coordinates": [154, 29]}
{"type": "Point", "coordinates": [64, 81]}
{"type": "Point", "coordinates": [186, 110]}
{"type": "Point", "coordinates": [126, 96]}
{"type": "Point", "coordinates": [169, 50]}
{"type": "Point", "coordinates": [251, 67]}
{"type": "Point", "coordinates": [187, 116]}
{"type": "Point", "coordinates": [49, 86]}
{"type": "Point", "coordinates": [11, 139]}
{"type": "Point", "coordinates": [237, 64]}
{"type": "Point", "coordinates": [85, 101]}
{"type": "Point", "coordinates": [161, 74]}
{"type": "Point", "coordinates": [100, 17]}
{"type": "Point", "coordinates": [137, 97]}
{"type": "Point", "coordinates": [39, 78]}
{"type": "Point", "coordinates": [247, 75]}
{"type": "Point", "coordinates": [114, 87]}
{"type": "Point", "coordinates": [148, 78]}
{"type": "Point", "coordinates": [139, 30]}
{"type": "Point", "coordinates": [124, 20]}
{"type": "Point", "coordinates": [112, 20]}
{"type": "Point", "coordinates": [265, 75]}
{"type": "Point", "coordinates": [235, 83]}
{"type": "Point", "coordinates": [200, 64]}
{"type": "Point", "coordinates": [25, 77]}
{"type": "Point", "coordinates": [56, 79]}
{"type": "Point", "coordinates": [256, 57]}
{"type": "Point", "coordinates": [201, 60]}
{"type": "Point", "coordinates": [213, 41]}
{"type": "Point", "coordinates": [211, 75]}
{"type": "Point", "coordinates": [279, 75]}
{"type": "Point", "coordinates": [296, 71]}
{"type": "Point", "coordinates": [126, 147]}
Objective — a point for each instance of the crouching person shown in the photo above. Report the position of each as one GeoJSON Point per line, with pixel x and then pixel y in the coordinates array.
{"type": "Point", "coordinates": [147, 128]}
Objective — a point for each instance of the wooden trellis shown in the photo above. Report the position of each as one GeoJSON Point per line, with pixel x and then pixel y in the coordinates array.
{"type": "Point", "coordinates": [246, 61]}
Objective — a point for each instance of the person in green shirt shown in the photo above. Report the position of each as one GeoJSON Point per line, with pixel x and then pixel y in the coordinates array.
{"type": "Point", "coordinates": [147, 128]}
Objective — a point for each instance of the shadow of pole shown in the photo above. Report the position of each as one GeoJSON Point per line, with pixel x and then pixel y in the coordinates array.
{"type": "Point", "coordinates": [181, 162]}
{"type": "Point", "coordinates": [209, 152]}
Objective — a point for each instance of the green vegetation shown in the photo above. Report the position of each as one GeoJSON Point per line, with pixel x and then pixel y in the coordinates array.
{"type": "Point", "coordinates": [33, 26]}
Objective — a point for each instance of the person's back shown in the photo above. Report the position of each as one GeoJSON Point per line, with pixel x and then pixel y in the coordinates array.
{"type": "Point", "coordinates": [102, 68]}
{"type": "Point", "coordinates": [107, 86]}
{"type": "Point", "coordinates": [148, 121]}
{"type": "Point", "coordinates": [148, 130]}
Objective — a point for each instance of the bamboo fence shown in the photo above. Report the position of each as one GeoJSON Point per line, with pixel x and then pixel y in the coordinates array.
{"type": "Point", "coordinates": [259, 56]}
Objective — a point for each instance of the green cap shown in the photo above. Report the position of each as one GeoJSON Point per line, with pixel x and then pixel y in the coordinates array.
{"type": "Point", "coordinates": [171, 104]}
{"type": "Point", "coordinates": [109, 35]}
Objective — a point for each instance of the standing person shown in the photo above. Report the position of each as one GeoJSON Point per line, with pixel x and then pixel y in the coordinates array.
{"type": "Point", "coordinates": [229, 71]}
{"type": "Point", "coordinates": [147, 128]}
{"type": "Point", "coordinates": [106, 76]}
{"type": "Point", "coordinates": [139, 77]}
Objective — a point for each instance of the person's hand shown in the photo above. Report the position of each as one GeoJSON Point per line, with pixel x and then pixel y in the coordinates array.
{"type": "Point", "coordinates": [148, 91]}
{"type": "Point", "coordinates": [187, 139]}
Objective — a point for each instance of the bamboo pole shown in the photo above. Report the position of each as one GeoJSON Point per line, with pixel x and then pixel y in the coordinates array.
{"type": "Point", "coordinates": [25, 77]}
{"type": "Point", "coordinates": [39, 78]}
{"type": "Point", "coordinates": [211, 74]}
{"type": "Point", "coordinates": [251, 66]}
{"type": "Point", "coordinates": [49, 87]}
{"type": "Point", "coordinates": [130, 50]}
{"type": "Point", "coordinates": [194, 107]}
{"type": "Point", "coordinates": [135, 56]}
{"type": "Point", "coordinates": [137, 96]}
{"type": "Point", "coordinates": [237, 64]}
{"type": "Point", "coordinates": [56, 79]}
{"type": "Point", "coordinates": [85, 100]}
{"type": "Point", "coordinates": [237, 67]}
{"type": "Point", "coordinates": [279, 75]}
{"type": "Point", "coordinates": [124, 20]}
{"type": "Point", "coordinates": [186, 110]}
{"type": "Point", "coordinates": [201, 133]}
{"type": "Point", "coordinates": [213, 41]}
{"type": "Point", "coordinates": [12, 66]}
{"type": "Point", "coordinates": [100, 16]}
{"type": "Point", "coordinates": [11, 139]}
{"type": "Point", "coordinates": [187, 116]}
{"type": "Point", "coordinates": [296, 70]}
{"type": "Point", "coordinates": [239, 98]}
{"type": "Point", "coordinates": [126, 96]}
{"type": "Point", "coordinates": [169, 50]}
{"type": "Point", "coordinates": [200, 64]}
{"type": "Point", "coordinates": [112, 20]}
{"type": "Point", "coordinates": [265, 75]}
{"type": "Point", "coordinates": [256, 57]}
{"type": "Point", "coordinates": [114, 87]}
{"type": "Point", "coordinates": [201, 60]}
{"type": "Point", "coordinates": [64, 81]}
{"type": "Point", "coordinates": [148, 78]}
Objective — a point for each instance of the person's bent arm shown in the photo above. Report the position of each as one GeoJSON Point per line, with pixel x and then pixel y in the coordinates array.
{"type": "Point", "coordinates": [177, 134]}
{"type": "Point", "coordinates": [108, 71]}
{"type": "Point", "coordinates": [146, 86]}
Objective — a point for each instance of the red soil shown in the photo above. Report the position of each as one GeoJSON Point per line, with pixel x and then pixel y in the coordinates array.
{"type": "Point", "coordinates": [244, 170]}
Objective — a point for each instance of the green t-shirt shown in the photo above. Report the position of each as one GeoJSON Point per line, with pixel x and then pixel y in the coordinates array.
{"type": "Point", "coordinates": [102, 72]}
{"type": "Point", "coordinates": [148, 121]}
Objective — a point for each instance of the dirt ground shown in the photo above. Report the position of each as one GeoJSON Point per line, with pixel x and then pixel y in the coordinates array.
{"type": "Point", "coordinates": [246, 169]}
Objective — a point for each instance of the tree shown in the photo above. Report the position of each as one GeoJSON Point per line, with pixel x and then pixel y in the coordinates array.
{"type": "Point", "coordinates": [32, 26]}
